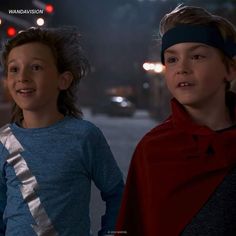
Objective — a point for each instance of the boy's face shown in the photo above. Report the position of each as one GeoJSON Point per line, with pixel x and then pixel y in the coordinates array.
{"type": "Point", "coordinates": [195, 74]}
{"type": "Point", "coordinates": [32, 77]}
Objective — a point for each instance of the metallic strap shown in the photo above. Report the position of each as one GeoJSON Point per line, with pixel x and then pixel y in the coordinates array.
{"type": "Point", "coordinates": [29, 183]}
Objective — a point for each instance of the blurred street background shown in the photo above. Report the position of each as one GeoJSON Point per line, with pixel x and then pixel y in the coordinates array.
{"type": "Point", "coordinates": [124, 95]}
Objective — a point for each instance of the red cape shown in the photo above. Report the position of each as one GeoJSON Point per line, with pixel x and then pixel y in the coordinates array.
{"type": "Point", "coordinates": [174, 170]}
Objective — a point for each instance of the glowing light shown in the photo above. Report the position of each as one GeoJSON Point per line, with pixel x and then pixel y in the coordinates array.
{"type": "Point", "coordinates": [11, 31]}
{"type": "Point", "coordinates": [40, 21]}
{"type": "Point", "coordinates": [49, 8]}
{"type": "Point", "coordinates": [147, 66]}
{"type": "Point", "coordinates": [158, 68]}
{"type": "Point", "coordinates": [153, 67]}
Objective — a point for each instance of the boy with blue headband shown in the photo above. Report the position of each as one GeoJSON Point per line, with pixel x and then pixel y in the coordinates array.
{"type": "Point", "coordinates": [182, 177]}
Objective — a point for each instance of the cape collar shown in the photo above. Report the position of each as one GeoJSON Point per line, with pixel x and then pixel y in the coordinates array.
{"type": "Point", "coordinates": [182, 120]}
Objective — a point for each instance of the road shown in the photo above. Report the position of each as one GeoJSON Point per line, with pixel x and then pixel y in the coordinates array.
{"type": "Point", "coordinates": [122, 135]}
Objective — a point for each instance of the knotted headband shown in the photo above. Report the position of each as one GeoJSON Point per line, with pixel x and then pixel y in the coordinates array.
{"type": "Point", "coordinates": [209, 35]}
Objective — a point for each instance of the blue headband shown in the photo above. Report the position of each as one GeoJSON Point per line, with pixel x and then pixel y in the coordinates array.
{"type": "Point", "coordinates": [209, 35]}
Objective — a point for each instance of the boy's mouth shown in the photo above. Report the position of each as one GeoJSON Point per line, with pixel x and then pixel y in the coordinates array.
{"type": "Point", "coordinates": [25, 91]}
{"type": "Point", "coordinates": [184, 84]}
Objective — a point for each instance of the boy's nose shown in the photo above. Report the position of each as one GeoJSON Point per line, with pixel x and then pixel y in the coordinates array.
{"type": "Point", "coordinates": [23, 80]}
{"type": "Point", "coordinates": [182, 71]}
{"type": "Point", "coordinates": [23, 77]}
{"type": "Point", "coordinates": [184, 67]}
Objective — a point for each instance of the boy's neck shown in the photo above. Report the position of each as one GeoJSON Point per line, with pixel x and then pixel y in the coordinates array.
{"type": "Point", "coordinates": [33, 120]}
{"type": "Point", "coordinates": [215, 119]}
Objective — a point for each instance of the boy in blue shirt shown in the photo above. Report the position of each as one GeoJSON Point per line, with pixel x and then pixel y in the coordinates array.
{"type": "Point", "coordinates": [48, 154]}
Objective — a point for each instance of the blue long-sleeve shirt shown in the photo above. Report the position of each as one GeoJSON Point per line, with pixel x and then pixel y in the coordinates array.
{"type": "Point", "coordinates": [45, 179]}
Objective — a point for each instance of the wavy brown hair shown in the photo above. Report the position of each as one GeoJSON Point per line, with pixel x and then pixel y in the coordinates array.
{"type": "Point", "coordinates": [65, 45]}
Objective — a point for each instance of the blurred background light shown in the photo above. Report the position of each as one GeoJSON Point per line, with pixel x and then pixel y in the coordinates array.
{"type": "Point", "coordinates": [49, 8]}
{"type": "Point", "coordinates": [11, 31]}
{"type": "Point", "coordinates": [40, 21]}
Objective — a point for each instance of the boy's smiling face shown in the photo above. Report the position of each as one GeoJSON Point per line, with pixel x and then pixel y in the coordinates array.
{"type": "Point", "coordinates": [195, 74]}
{"type": "Point", "coordinates": [32, 77]}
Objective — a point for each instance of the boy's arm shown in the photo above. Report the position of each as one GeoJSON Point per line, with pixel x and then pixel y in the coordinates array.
{"type": "Point", "coordinates": [108, 179]}
{"type": "Point", "coordinates": [113, 200]}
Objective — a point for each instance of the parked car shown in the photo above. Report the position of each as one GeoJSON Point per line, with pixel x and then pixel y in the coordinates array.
{"type": "Point", "coordinates": [114, 106]}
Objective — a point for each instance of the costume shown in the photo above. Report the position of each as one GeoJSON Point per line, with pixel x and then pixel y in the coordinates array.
{"type": "Point", "coordinates": [175, 169]}
{"type": "Point", "coordinates": [46, 176]}
{"type": "Point", "coordinates": [218, 215]}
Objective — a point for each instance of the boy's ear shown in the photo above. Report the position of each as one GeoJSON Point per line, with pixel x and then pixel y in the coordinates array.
{"type": "Point", "coordinates": [65, 80]}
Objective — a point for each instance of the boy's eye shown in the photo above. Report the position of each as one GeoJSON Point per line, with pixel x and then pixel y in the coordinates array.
{"type": "Point", "coordinates": [12, 69]}
{"type": "Point", "coordinates": [36, 67]}
{"type": "Point", "coordinates": [197, 57]}
{"type": "Point", "coordinates": [170, 60]}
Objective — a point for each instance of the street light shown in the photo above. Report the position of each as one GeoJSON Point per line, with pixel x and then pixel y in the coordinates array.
{"type": "Point", "coordinates": [40, 21]}
{"type": "Point", "coordinates": [153, 67]}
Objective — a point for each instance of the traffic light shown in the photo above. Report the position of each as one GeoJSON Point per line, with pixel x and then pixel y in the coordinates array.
{"type": "Point", "coordinates": [49, 8]}
{"type": "Point", "coordinates": [11, 31]}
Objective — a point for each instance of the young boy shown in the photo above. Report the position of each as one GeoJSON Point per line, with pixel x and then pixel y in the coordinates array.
{"type": "Point", "coordinates": [48, 154]}
{"type": "Point", "coordinates": [182, 178]}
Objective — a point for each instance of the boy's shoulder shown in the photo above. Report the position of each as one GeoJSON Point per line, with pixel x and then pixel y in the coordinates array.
{"type": "Point", "coordinates": [70, 125]}
{"type": "Point", "coordinates": [159, 133]}
{"type": "Point", "coordinates": [81, 127]}
{"type": "Point", "coordinates": [4, 127]}
{"type": "Point", "coordinates": [161, 129]}
{"type": "Point", "coordinates": [4, 132]}
{"type": "Point", "coordinates": [73, 122]}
